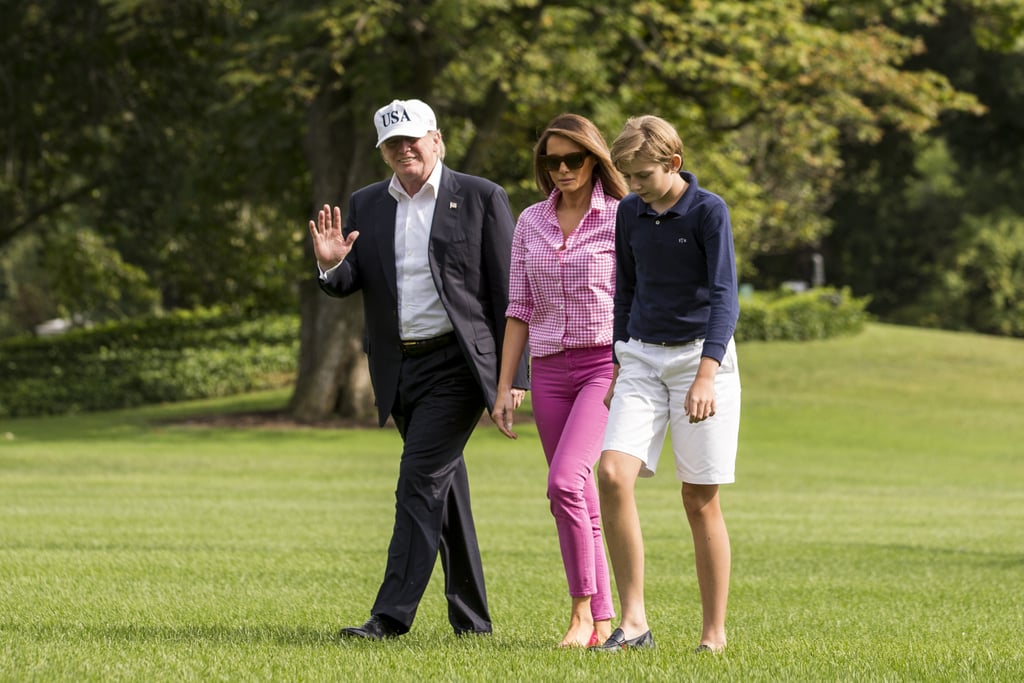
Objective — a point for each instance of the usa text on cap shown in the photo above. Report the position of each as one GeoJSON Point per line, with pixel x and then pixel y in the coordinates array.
{"type": "Point", "coordinates": [406, 118]}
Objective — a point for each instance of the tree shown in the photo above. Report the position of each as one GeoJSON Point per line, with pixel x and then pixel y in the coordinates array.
{"type": "Point", "coordinates": [768, 90]}
{"type": "Point", "coordinates": [219, 127]}
{"type": "Point", "coordinates": [53, 109]}
{"type": "Point", "coordinates": [120, 134]}
{"type": "Point", "coordinates": [917, 223]}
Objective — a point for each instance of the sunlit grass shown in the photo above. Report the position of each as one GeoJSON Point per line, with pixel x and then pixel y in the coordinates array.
{"type": "Point", "coordinates": [876, 530]}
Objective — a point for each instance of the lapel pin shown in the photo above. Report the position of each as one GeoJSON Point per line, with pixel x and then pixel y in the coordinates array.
{"type": "Point", "coordinates": [452, 205]}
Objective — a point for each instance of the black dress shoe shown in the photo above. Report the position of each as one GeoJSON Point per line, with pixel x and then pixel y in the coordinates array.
{"type": "Point", "coordinates": [617, 641]}
{"type": "Point", "coordinates": [472, 632]}
{"type": "Point", "coordinates": [375, 628]}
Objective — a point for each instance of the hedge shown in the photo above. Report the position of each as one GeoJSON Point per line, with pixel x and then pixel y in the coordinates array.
{"type": "Point", "coordinates": [180, 356]}
{"type": "Point", "coordinates": [201, 354]}
{"type": "Point", "coordinates": [813, 314]}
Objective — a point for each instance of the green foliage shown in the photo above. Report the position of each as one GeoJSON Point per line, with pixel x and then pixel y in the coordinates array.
{"type": "Point", "coordinates": [194, 137]}
{"type": "Point", "coordinates": [892, 237]}
{"type": "Point", "coordinates": [814, 314]}
{"type": "Point", "coordinates": [24, 288]}
{"type": "Point", "coordinates": [92, 281]}
{"type": "Point", "coordinates": [114, 121]}
{"type": "Point", "coordinates": [986, 285]}
{"type": "Point", "coordinates": [181, 356]}
{"type": "Point", "coordinates": [999, 25]}
{"type": "Point", "coordinates": [194, 114]}
{"type": "Point", "coordinates": [188, 355]}
{"type": "Point", "coordinates": [926, 222]}
{"type": "Point", "coordinates": [764, 95]}
{"type": "Point", "coordinates": [57, 111]}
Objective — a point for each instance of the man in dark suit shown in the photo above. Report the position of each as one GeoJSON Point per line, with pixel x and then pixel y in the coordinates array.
{"type": "Point", "coordinates": [430, 251]}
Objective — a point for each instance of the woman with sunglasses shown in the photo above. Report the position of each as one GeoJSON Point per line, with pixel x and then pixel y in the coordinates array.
{"type": "Point", "coordinates": [561, 287]}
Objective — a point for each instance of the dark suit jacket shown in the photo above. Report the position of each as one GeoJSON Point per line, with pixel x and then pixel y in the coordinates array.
{"type": "Point", "coordinates": [470, 252]}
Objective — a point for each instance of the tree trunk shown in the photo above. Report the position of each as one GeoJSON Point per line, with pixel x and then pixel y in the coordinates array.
{"type": "Point", "coordinates": [333, 378]}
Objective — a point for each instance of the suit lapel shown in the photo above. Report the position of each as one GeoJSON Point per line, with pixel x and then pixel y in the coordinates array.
{"type": "Point", "coordinates": [445, 225]}
{"type": "Point", "coordinates": [385, 239]}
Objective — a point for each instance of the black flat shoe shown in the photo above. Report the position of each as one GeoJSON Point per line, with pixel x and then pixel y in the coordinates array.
{"type": "Point", "coordinates": [375, 628]}
{"type": "Point", "coordinates": [617, 641]}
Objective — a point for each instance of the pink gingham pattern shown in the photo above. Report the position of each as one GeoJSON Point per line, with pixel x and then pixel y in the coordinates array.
{"type": "Point", "coordinates": [564, 294]}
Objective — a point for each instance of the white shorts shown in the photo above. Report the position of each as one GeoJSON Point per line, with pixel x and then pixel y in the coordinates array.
{"type": "Point", "coordinates": [650, 392]}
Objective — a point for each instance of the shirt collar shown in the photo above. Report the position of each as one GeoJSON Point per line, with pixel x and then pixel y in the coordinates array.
{"type": "Point", "coordinates": [597, 198]}
{"type": "Point", "coordinates": [681, 206]}
{"type": "Point", "coordinates": [396, 190]}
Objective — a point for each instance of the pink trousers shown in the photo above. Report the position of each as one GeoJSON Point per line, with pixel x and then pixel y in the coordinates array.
{"type": "Point", "coordinates": [568, 404]}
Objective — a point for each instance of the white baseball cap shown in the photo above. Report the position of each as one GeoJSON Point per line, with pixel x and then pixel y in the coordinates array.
{"type": "Point", "coordinates": [407, 118]}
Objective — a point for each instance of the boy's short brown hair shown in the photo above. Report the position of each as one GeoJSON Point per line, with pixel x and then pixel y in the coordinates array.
{"type": "Point", "coordinates": [649, 137]}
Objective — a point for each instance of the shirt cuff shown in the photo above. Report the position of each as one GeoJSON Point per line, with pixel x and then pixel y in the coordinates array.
{"type": "Point", "coordinates": [324, 274]}
{"type": "Point", "coordinates": [519, 313]}
{"type": "Point", "coordinates": [713, 350]}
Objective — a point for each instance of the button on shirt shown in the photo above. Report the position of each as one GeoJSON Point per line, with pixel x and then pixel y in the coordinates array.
{"type": "Point", "coordinates": [563, 287]}
{"type": "Point", "coordinates": [421, 314]}
{"type": "Point", "coordinates": [676, 271]}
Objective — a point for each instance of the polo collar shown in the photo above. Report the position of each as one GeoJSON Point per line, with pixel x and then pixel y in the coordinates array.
{"type": "Point", "coordinates": [681, 206]}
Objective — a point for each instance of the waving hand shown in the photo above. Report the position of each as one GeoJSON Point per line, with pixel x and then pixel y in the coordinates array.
{"type": "Point", "coordinates": [329, 245]}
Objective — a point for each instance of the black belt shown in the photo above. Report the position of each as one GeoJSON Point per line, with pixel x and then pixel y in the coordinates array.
{"type": "Point", "coordinates": [421, 347]}
{"type": "Point", "coordinates": [671, 343]}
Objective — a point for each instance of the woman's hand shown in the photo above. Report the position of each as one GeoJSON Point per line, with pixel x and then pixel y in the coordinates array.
{"type": "Point", "coordinates": [611, 387]}
{"type": "Point", "coordinates": [505, 405]}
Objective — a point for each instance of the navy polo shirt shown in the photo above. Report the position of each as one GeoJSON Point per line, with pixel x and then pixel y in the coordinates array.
{"type": "Point", "coordinates": [675, 276]}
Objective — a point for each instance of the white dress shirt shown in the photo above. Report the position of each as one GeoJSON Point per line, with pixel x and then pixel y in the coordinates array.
{"type": "Point", "coordinates": [421, 314]}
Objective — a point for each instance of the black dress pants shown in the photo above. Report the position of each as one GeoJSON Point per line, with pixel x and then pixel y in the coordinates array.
{"type": "Point", "coordinates": [438, 405]}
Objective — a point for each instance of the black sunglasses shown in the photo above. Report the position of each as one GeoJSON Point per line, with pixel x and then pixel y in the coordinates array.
{"type": "Point", "coordinates": [553, 162]}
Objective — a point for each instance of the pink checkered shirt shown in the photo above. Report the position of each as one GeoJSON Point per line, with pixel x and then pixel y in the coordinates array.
{"type": "Point", "coordinates": [564, 295]}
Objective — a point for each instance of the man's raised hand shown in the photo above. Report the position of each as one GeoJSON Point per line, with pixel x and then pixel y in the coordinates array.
{"type": "Point", "coordinates": [329, 245]}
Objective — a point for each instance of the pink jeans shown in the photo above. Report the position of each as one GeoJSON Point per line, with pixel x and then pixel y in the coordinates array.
{"type": "Point", "coordinates": [568, 405]}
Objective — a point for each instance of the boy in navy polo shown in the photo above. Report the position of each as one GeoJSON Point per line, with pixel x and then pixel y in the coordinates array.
{"type": "Point", "coordinates": [676, 308]}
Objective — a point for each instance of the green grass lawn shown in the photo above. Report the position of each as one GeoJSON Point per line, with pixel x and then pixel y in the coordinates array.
{"type": "Point", "coordinates": [877, 527]}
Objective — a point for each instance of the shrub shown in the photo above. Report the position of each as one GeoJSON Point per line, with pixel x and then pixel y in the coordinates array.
{"type": "Point", "coordinates": [815, 314]}
{"type": "Point", "coordinates": [185, 355]}
{"type": "Point", "coordinates": [201, 354]}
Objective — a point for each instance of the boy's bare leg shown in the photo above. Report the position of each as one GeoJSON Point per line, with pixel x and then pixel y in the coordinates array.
{"type": "Point", "coordinates": [617, 474]}
{"type": "Point", "coordinates": [713, 557]}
